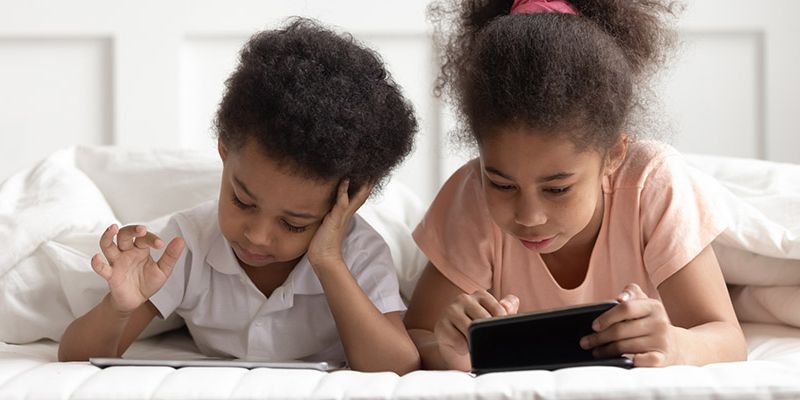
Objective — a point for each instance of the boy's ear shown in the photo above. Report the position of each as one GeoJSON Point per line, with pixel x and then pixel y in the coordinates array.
{"type": "Point", "coordinates": [616, 154]}
{"type": "Point", "coordinates": [223, 152]}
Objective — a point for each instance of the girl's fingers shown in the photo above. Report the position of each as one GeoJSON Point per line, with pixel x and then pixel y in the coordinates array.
{"type": "Point", "coordinates": [629, 310]}
{"type": "Point", "coordinates": [650, 359]}
{"type": "Point", "coordinates": [459, 341]}
{"type": "Point", "coordinates": [631, 292]}
{"type": "Point", "coordinates": [170, 256]}
{"type": "Point", "coordinates": [489, 305]}
{"type": "Point", "coordinates": [641, 344]}
{"type": "Point", "coordinates": [128, 234]}
{"type": "Point", "coordinates": [149, 240]}
{"type": "Point", "coordinates": [107, 245]}
{"type": "Point", "coordinates": [619, 331]}
{"type": "Point", "coordinates": [101, 268]}
{"type": "Point", "coordinates": [510, 303]}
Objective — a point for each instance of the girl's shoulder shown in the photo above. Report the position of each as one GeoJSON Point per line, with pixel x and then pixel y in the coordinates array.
{"type": "Point", "coordinates": [645, 160]}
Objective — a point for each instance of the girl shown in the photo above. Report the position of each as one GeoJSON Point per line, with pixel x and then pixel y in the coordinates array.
{"type": "Point", "coordinates": [562, 206]}
{"type": "Point", "coordinates": [279, 267]}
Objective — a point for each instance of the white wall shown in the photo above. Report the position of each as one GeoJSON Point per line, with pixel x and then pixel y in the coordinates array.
{"type": "Point", "coordinates": [149, 74]}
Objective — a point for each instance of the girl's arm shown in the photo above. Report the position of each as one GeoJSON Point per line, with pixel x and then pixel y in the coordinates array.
{"type": "Point", "coordinates": [372, 341]}
{"type": "Point", "coordinates": [439, 316]}
{"type": "Point", "coordinates": [695, 324]}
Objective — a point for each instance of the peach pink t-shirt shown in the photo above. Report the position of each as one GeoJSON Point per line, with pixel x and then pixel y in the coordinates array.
{"type": "Point", "coordinates": [655, 221]}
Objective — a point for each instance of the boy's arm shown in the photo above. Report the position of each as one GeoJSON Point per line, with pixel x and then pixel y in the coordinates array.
{"type": "Point", "coordinates": [104, 331]}
{"type": "Point", "coordinates": [372, 341]}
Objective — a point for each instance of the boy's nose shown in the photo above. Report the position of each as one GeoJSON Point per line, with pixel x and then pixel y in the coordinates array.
{"type": "Point", "coordinates": [259, 234]}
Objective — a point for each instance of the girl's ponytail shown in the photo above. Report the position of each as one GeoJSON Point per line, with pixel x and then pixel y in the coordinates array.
{"type": "Point", "coordinates": [637, 26]}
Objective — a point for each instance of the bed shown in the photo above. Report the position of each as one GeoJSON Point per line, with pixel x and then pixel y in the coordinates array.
{"type": "Point", "coordinates": [50, 217]}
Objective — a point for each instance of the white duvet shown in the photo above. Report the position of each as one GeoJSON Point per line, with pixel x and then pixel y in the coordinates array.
{"type": "Point", "coordinates": [52, 215]}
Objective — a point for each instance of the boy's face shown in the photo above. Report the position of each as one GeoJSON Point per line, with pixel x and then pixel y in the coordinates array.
{"type": "Point", "coordinates": [267, 213]}
{"type": "Point", "coordinates": [542, 190]}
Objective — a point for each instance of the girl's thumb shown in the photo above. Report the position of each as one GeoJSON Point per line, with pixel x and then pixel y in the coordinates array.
{"type": "Point", "coordinates": [510, 303]}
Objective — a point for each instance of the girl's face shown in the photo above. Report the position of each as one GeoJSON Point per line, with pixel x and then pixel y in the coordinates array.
{"type": "Point", "coordinates": [267, 213]}
{"type": "Point", "coordinates": [544, 191]}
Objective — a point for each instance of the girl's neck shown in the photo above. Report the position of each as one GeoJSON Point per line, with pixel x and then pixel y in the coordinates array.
{"type": "Point", "coordinates": [570, 264]}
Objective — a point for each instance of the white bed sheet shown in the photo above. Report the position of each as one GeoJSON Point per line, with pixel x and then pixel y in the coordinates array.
{"type": "Point", "coordinates": [30, 371]}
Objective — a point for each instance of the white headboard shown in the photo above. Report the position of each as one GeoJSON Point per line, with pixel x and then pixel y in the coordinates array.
{"type": "Point", "coordinates": [149, 73]}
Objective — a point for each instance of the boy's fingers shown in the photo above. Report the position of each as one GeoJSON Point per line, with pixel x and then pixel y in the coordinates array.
{"type": "Point", "coordinates": [107, 245]}
{"type": "Point", "coordinates": [127, 234]}
{"type": "Point", "coordinates": [171, 255]}
{"type": "Point", "coordinates": [101, 268]}
{"type": "Point", "coordinates": [360, 197]}
{"type": "Point", "coordinates": [148, 240]}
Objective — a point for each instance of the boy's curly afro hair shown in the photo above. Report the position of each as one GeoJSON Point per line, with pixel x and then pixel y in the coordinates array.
{"type": "Point", "coordinates": [319, 102]}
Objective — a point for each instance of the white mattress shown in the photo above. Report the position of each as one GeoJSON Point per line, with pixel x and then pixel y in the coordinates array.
{"type": "Point", "coordinates": [31, 372]}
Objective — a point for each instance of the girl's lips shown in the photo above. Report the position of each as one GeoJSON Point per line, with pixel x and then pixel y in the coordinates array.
{"type": "Point", "coordinates": [537, 245]}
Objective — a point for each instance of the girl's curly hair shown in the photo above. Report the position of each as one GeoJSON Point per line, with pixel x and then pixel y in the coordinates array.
{"type": "Point", "coordinates": [580, 75]}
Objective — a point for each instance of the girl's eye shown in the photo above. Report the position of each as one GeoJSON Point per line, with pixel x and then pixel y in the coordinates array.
{"type": "Point", "coordinates": [499, 186]}
{"type": "Point", "coordinates": [239, 203]}
{"type": "Point", "coordinates": [292, 228]}
{"type": "Point", "coordinates": [560, 190]}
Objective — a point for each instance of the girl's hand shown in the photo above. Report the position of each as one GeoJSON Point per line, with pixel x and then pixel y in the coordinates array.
{"type": "Point", "coordinates": [451, 329]}
{"type": "Point", "coordinates": [131, 273]}
{"type": "Point", "coordinates": [639, 326]}
{"type": "Point", "coordinates": [325, 248]}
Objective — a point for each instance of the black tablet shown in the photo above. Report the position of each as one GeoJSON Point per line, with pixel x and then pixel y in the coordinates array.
{"type": "Point", "coordinates": [548, 339]}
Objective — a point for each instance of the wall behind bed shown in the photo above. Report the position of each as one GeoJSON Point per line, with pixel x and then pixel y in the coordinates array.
{"type": "Point", "coordinates": [150, 74]}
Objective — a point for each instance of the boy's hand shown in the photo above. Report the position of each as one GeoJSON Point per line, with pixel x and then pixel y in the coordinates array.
{"type": "Point", "coordinates": [451, 330]}
{"type": "Point", "coordinates": [325, 248]}
{"type": "Point", "coordinates": [131, 273]}
{"type": "Point", "coordinates": [638, 325]}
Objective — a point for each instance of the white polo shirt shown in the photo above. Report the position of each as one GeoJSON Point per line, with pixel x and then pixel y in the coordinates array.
{"type": "Point", "coordinates": [229, 317]}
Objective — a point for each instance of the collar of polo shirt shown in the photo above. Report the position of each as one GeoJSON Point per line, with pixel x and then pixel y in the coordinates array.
{"type": "Point", "coordinates": [302, 280]}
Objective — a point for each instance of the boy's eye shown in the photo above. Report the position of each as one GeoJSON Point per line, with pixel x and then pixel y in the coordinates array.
{"type": "Point", "coordinates": [293, 228]}
{"type": "Point", "coordinates": [560, 190]}
{"type": "Point", "coordinates": [239, 203]}
{"type": "Point", "coordinates": [499, 186]}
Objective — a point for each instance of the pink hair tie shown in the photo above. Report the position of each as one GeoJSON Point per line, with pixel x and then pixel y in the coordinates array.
{"type": "Point", "coordinates": [542, 6]}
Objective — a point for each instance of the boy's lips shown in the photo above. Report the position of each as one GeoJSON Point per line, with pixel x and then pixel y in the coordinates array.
{"type": "Point", "coordinates": [251, 256]}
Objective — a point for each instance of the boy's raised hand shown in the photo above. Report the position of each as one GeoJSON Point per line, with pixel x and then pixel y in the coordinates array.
{"type": "Point", "coordinates": [326, 246]}
{"type": "Point", "coordinates": [132, 274]}
{"type": "Point", "coordinates": [451, 329]}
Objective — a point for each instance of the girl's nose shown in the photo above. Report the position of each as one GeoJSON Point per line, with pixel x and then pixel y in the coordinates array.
{"type": "Point", "coordinates": [527, 212]}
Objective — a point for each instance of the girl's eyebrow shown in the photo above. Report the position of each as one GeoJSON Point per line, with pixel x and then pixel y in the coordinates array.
{"type": "Point", "coordinates": [554, 177]}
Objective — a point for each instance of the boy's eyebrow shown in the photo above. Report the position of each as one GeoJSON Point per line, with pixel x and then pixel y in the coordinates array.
{"type": "Point", "coordinates": [300, 215]}
{"type": "Point", "coordinates": [554, 177]}
{"type": "Point", "coordinates": [290, 213]}
{"type": "Point", "coordinates": [244, 188]}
